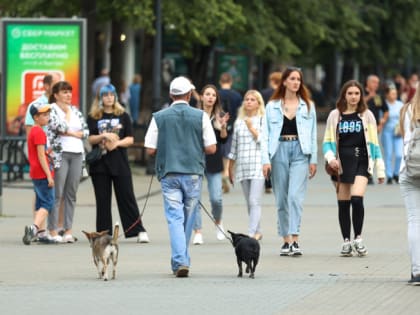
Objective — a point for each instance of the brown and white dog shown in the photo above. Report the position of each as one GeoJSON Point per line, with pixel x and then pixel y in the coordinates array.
{"type": "Point", "coordinates": [104, 250]}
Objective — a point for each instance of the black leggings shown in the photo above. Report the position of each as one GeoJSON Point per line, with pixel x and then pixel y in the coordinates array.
{"type": "Point", "coordinates": [356, 202]}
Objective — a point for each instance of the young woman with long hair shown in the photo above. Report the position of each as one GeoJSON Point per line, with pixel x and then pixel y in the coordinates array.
{"type": "Point", "coordinates": [289, 153]}
{"type": "Point", "coordinates": [352, 149]}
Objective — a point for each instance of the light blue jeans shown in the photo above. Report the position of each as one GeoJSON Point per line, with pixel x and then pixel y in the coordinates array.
{"type": "Point", "coordinates": [214, 186]}
{"type": "Point", "coordinates": [253, 189]}
{"type": "Point", "coordinates": [410, 190]}
{"type": "Point", "coordinates": [393, 147]}
{"type": "Point", "coordinates": [289, 177]}
{"type": "Point", "coordinates": [181, 193]}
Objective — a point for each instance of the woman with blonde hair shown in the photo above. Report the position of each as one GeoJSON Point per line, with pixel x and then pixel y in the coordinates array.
{"type": "Point", "coordinates": [410, 187]}
{"type": "Point", "coordinates": [245, 157]}
{"type": "Point", "coordinates": [110, 128]}
{"type": "Point", "coordinates": [289, 153]}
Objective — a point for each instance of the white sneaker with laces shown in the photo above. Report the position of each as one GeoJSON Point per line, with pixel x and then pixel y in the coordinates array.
{"type": "Point", "coordinates": [220, 232]}
{"type": "Point", "coordinates": [198, 239]}
{"type": "Point", "coordinates": [143, 238]}
{"type": "Point", "coordinates": [359, 247]}
{"type": "Point", "coordinates": [346, 249]}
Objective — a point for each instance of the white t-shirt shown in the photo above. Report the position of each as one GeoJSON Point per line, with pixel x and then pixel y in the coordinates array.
{"type": "Point", "coordinates": [69, 143]}
{"type": "Point", "coordinates": [151, 139]}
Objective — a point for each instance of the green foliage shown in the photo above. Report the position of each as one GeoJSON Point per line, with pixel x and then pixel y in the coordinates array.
{"type": "Point", "coordinates": [201, 22]}
{"type": "Point", "coordinates": [308, 31]}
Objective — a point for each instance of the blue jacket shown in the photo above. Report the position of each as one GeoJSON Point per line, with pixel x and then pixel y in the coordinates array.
{"type": "Point", "coordinates": [306, 127]}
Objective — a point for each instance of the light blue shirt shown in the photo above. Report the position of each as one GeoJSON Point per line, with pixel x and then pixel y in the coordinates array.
{"type": "Point", "coordinates": [394, 115]}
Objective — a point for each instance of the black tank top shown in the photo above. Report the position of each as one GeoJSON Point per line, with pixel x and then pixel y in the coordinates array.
{"type": "Point", "coordinates": [289, 126]}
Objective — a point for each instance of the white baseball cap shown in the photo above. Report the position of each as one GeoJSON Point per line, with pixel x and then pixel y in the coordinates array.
{"type": "Point", "coordinates": [180, 85]}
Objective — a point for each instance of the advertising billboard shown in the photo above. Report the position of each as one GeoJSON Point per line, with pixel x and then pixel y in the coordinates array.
{"type": "Point", "coordinates": [30, 50]}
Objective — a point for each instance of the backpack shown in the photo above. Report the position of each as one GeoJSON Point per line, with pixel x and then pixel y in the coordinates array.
{"type": "Point", "coordinates": [412, 158]}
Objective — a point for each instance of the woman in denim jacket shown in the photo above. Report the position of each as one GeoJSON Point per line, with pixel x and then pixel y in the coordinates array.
{"type": "Point", "coordinates": [289, 153]}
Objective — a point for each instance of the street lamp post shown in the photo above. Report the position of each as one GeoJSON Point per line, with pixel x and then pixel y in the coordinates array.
{"type": "Point", "coordinates": [157, 59]}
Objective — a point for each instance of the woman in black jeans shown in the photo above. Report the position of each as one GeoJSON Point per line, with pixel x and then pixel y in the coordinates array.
{"type": "Point", "coordinates": [110, 128]}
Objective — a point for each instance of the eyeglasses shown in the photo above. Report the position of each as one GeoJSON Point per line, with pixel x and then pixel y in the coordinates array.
{"type": "Point", "coordinates": [290, 68]}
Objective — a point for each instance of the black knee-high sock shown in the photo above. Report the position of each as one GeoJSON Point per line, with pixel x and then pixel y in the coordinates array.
{"type": "Point", "coordinates": [344, 218]}
{"type": "Point", "coordinates": [358, 214]}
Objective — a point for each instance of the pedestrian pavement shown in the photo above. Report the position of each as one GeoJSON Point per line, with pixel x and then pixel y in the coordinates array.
{"type": "Point", "coordinates": [51, 279]}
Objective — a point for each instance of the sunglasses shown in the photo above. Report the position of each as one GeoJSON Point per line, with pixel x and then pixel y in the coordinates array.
{"type": "Point", "coordinates": [294, 69]}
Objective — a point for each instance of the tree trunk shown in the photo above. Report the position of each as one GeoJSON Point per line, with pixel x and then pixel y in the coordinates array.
{"type": "Point", "coordinates": [198, 65]}
{"type": "Point", "coordinates": [117, 55]}
{"type": "Point", "coordinates": [89, 12]}
{"type": "Point", "coordinates": [146, 106]}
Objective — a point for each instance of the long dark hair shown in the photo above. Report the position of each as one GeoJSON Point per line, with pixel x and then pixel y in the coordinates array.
{"type": "Point", "coordinates": [342, 103]}
{"type": "Point", "coordinates": [303, 92]}
{"type": "Point", "coordinates": [59, 86]}
{"type": "Point", "coordinates": [217, 108]}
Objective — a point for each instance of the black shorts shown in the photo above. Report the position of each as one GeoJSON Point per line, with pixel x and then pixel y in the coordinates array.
{"type": "Point", "coordinates": [355, 162]}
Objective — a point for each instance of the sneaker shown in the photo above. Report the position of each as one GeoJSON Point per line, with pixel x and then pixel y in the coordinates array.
{"type": "Point", "coordinates": [55, 239]}
{"type": "Point", "coordinates": [346, 249]}
{"type": "Point", "coordinates": [295, 250]}
{"type": "Point", "coordinates": [143, 238]}
{"type": "Point", "coordinates": [68, 238]}
{"type": "Point", "coordinates": [359, 247]}
{"type": "Point", "coordinates": [220, 232]}
{"type": "Point", "coordinates": [29, 234]}
{"type": "Point", "coordinates": [198, 239]}
{"type": "Point", "coordinates": [285, 250]}
{"type": "Point", "coordinates": [415, 280]}
{"type": "Point", "coordinates": [46, 240]}
{"type": "Point", "coordinates": [182, 272]}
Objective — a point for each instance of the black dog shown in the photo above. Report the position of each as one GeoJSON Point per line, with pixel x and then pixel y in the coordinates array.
{"type": "Point", "coordinates": [247, 250]}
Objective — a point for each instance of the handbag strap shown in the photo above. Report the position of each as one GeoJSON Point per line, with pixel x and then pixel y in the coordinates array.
{"type": "Point", "coordinates": [337, 138]}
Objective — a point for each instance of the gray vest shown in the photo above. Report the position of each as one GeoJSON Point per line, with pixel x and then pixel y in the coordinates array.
{"type": "Point", "coordinates": [180, 147]}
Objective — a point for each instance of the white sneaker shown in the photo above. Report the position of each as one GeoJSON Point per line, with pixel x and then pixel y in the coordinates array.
{"type": "Point", "coordinates": [346, 249]}
{"type": "Point", "coordinates": [143, 238]}
{"type": "Point", "coordinates": [198, 239]}
{"type": "Point", "coordinates": [56, 239]}
{"type": "Point", "coordinates": [68, 238]}
{"type": "Point", "coordinates": [220, 232]}
{"type": "Point", "coordinates": [359, 247]}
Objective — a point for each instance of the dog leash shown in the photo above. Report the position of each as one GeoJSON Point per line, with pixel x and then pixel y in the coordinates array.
{"type": "Point", "coordinates": [142, 212]}
{"type": "Point", "coordinates": [214, 221]}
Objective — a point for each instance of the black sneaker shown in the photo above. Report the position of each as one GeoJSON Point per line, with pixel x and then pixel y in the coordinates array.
{"type": "Point", "coordinates": [285, 250]}
{"type": "Point", "coordinates": [295, 250]}
{"type": "Point", "coordinates": [415, 280]}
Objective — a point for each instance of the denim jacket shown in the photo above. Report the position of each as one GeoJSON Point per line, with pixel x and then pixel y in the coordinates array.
{"type": "Point", "coordinates": [306, 128]}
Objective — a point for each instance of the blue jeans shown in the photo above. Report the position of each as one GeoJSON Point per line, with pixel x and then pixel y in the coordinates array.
{"type": "Point", "coordinates": [393, 146]}
{"type": "Point", "coordinates": [181, 193]}
{"type": "Point", "coordinates": [289, 177]}
{"type": "Point", "coordinates": [410, 190]}
{"type": "Point", "coordinates": [214, 186]}
{"type": "Point", "coordinates": [44, 195]}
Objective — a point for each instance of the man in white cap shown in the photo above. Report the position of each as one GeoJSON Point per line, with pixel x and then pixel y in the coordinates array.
{"type": "Point", "coordinates": [179, 136]}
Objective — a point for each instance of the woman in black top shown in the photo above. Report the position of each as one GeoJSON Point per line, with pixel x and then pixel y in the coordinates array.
{"type": "Point", "coordinates": [110, 127]}
{"type": "Point", "coordinates": [211, 104]}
